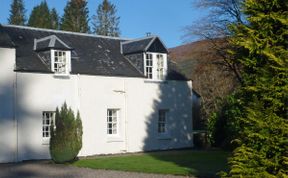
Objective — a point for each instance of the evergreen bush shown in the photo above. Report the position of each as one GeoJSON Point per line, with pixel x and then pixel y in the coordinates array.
{"type": "Point", "coordinates": [224, 126]}
{"type": "Point", "coordinates": [66, 135]}
{"type": "Point", "coordinates": [261, 48]}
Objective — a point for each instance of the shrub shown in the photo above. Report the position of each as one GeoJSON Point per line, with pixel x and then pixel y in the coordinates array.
{"type": "Point", "coordinates": [66, 135]}
{"type": "Point", "coordinates": [223, 126]}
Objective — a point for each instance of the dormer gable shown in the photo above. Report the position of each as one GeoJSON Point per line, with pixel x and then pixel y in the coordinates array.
{"type": "Point", "coordinates": [147, 44]}
{"type": "Point", "coordinates": [55, 53]}
{"type": "Point", "coordinates": [50, 42]}
{"type": "Point", "coordinates": [157, 46]}
{"type": "Point", "coordinates": [149, 55]}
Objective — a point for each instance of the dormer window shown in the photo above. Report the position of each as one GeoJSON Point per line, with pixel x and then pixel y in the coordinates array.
{"type": "Point", "coordinates": [149, 66]}
{"type": "Point", "coordinates": [60, 62]}
{"type": "Point", "coordinates": [54, 53]}
{"type": "Point", "coordinates": [160, 67]}
{"type": "Point", "coordinates": [155, 65]}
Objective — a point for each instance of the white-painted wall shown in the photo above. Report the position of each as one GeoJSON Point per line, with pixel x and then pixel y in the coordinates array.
{"type": "Point", "coordinates": [138, 100]}
{"type": "Point", "coordinates": [7, 122]}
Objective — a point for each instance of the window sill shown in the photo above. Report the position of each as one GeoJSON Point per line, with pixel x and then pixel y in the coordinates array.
{"type": "Point", "coordinates": [164, 136]}
{"type": "Point", "coordinates": [112, 138]}
{"type": "Point", "coordinates": [61, 75]}
{"type": "Point", "coordinates": [46, 141]}
{"type": "Point", "coordinates": [155, 81]}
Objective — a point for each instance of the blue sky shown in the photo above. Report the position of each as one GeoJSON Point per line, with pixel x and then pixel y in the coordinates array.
{"type": "Point", "coordinates": [166, 18]}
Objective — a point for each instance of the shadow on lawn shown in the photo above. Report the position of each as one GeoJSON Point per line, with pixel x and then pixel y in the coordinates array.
{"type": "Point", "coordinates": [175, 99]}
{"type": "Point", "coordinates": [201, 164]}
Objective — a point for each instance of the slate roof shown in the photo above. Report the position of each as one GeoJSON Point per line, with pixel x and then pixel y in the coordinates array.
{"type": "Point", "coordinates": [50, 42]}
{"type": "Point", "coordinates": [5, 40]}
{"type": "Point", "coordinates": [136, 46]}
{"type": "Point", "coordinates": [174, 73]}
{"type": "Point", "coordinates": [139, 45]}
{"type": "Point", "coordinates": [90, 54]}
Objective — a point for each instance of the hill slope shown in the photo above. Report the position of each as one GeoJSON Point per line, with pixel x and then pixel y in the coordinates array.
{"type": "Point", "coordinates": [200, 62]}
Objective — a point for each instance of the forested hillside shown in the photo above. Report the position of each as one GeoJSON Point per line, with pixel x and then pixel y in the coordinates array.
{"type": "Point", "coordinates": [211, 78]}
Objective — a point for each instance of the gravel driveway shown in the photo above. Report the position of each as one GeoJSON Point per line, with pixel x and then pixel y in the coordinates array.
{"type": "Point", "coordinates": [45, 169]}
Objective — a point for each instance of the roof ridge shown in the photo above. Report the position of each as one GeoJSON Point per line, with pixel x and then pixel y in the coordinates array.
{"type": "Point", "coordinates": [139, 39]}
{"type": "Point", "coordinates": [66, 32]}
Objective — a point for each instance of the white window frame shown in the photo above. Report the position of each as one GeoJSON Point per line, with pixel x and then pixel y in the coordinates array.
{"type": "Point", "coordinates": [156, 68]}
{"type": "Point", "coordinates": [67, 59]}
{"type": "Point", "coordinates": [162, 123]}
{"type": "Point", "coordinates": [114, 122]}
{"type": "Point", "coordinates": [46, 125]}
{"type": "Point", "coordinates": [149, 65]}
{"type": "Point", "coordinates": [160, 67]}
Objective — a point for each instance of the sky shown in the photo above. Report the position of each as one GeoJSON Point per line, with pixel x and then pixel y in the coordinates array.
{"type": "Point", "coordinates": [165, 18]}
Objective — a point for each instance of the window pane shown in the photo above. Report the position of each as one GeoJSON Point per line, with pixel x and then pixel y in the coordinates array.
{"type": "Point", "coordinates": [47, 120]}
{"type": "Point", "coordinates": [109, 126]}
{"type": "Point", "coordinates": [150, 76]}
{"type": "Point", "coordinates": [109, 113]}
{"type": "Point", "coordinates": [162, 114]}
{"type": "Point", "coordinates": [112, 120]}
{"type": "Point", "coordinates": [60, 62]}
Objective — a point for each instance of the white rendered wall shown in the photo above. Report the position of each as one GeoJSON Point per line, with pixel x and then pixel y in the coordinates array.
{"type": "Point", "coordinates": [138, 100]}
{"type": "Point", "coordinates": [7, 123]}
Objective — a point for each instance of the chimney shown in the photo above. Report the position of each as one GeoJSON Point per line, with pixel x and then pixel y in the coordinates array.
{"type": "Point", "coordinates": [148, 34]}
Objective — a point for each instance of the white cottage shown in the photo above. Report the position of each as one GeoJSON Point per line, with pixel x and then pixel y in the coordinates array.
{"type": "Point", "coordinates": [131, 81]}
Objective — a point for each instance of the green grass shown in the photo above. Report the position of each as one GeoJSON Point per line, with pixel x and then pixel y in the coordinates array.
{"type": "Point", "coordinates": [186, 162]}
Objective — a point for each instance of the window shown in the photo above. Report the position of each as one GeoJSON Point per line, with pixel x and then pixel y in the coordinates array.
{"type": "Point", "coordinates": [155, 65]}
{"type": "Point", "coordinates": [162, 121]}
{"type": "Point", "coordinates": [112, 121]}
{"type": "Point", "coordinates": [149, 66]}
{"type": "Point", "coordinates": [48, 118]}
{"type": "Point", "coordinates": [160, 67]}
{"type": "Point", "coordinates": [60, 62]}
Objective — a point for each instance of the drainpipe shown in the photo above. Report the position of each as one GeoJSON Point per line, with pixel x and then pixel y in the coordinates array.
{"type": "Point", "coordinates": [126, 121]}
{"type": "Point", "coordinates": [15, 121]}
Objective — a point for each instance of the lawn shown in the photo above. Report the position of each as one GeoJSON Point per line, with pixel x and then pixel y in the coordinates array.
{"type": "Point", "coordinates": [185, 162]}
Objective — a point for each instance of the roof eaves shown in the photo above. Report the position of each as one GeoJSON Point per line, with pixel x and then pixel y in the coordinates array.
{"type": "Point", "coordinates": [194, 91]}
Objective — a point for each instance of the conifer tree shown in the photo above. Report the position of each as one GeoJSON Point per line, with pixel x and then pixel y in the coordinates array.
{"type": "Point", "coordinates": [106, 22]}
{"type": "Point", "coordinates": [54, 19]}
{"type": "Point", "coordinates": [75, 16]}
{"type": "Point", "coordinates": [17, 13]}
{"type": "Point", "coordinates": [40, 16]}
{"type": "Point", "coordinates": [66, 135]}
{"type": "Point", "coordinates": [262, 51]}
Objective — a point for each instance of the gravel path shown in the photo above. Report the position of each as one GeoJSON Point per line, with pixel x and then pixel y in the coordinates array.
{"type": "Point", "coordinates": [45, 169]}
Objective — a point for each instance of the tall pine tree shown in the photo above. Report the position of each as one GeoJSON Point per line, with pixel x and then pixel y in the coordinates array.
{"type": "Point", "coordinates": [17, 13]}
{"type": "Point", "coordinates": [40, 16]}
{"type": "Point", "coordinates": [262, 50]}
{"type": "Point", "coordinates": [54, 19]}
{"type": "Point", "coordinates": [75, 16]}
{"type": "Point", "coordinates": [106, 22]}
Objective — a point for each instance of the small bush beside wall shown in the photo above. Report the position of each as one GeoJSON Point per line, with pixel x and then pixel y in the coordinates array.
{"type": "Point", "coordinates": [66, 135]}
